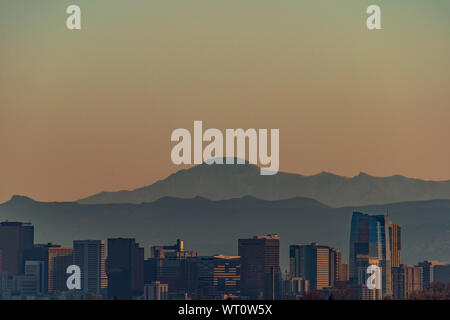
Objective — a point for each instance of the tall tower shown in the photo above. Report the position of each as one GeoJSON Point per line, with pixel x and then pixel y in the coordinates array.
{"type": "Point", "coordinates": [89, 255]}
{"type": "Point", "coordinates": [125, 267]}
{"type": "Point", "coordinates": [395, 244]}
{"type": "Point", "coordinates": [260, 266]}
{"type": "Point", "coordinates": [15, 238]}
{"type": "Point", "coordinates": [370, 238]}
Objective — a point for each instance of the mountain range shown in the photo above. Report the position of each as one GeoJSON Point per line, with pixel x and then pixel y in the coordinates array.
{"type": "Point", "coordinates": [222, 182]}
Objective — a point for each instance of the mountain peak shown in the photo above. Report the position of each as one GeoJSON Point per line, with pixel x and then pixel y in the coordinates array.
{"type": "Point", "coordinates": [364, 175]}
{"type": "Point", "coordinates": [18, 199]}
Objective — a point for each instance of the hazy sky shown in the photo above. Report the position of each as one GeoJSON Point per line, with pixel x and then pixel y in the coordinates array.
{"type": "Point", "coordinates": [92, 110]}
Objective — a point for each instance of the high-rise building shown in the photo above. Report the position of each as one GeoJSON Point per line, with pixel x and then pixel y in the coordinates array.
{"type": "Point", "coordinates": [395, 236]}
{"type": "Point", "coordinates": [39, 252]}
{"type": "Point", "coordinates": [318, 264]}
{"type": "Point", "coordinates": [125, 268]}
{"type": "Point", "coordinates": [428, 267]}
{"type": "Point", "coordinates": [15, 238]}
{"type": "Point", "coordinates": [415, 280]}
{"type": "Point", "coordinates": [37, 270]}
{"type": "Point", "coordinates": [335, 262]}
{"type": "Point", "coordinates": [370, 240]}
{"type": "Point", "coordinates": [58, 261]}
{"type": "Point", "coordinates": [156, 291]}
{"type": "Point", "coordinates": [89, 255]}
{"type": "Point", "coordinates": [214, 277]}
{"type": "Point", "coordinates": [260, 267]}
{"type": "Point", "coordinates": [406, 281]}
{"type": "Point", "coordinates": [169, 265]}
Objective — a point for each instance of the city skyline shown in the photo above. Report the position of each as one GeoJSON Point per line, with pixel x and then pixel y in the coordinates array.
{"type": "Point", "coordinates": [171, 272]}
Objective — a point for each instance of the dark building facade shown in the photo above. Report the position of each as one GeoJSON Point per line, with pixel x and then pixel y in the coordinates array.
{"type": "Point", "coordinates": [214, 277]}
{"type": "Point", "coordinates": [15, 238]}
{"type": "Point", "coordinates": [169, 265]}
{"type": "Point", "coordinates": [58, 261]}
{"type": "Point", "coordinates": [260, 267]}
{"type": "Point", "coordinates": [40, 252]}
{"type": "Point", "coordinates": [125, 268]}
{"type": "Point", "coordinates": [89, 255]}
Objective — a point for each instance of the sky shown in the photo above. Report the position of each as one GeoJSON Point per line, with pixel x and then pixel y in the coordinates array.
{"type": "Point", "coordinates": [93, 110]}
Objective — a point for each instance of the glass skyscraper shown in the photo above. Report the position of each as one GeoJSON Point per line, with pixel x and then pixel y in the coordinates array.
{"type": "Point", "coordinates": [370, 241]}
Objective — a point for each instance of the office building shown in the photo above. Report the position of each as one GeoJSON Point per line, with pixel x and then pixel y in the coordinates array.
{"type": "Point", "coordinates": [169, 265]}
{"type": "Point", "coordinates": [37, 270]}
{"type": "Point", "coordinates": [260, 267]}
{"type": "Point", "coordinates": [15, 238]}
{"type": "Point", "coordinates": [39, 252]}
{"type": "Point", "coordinates": [214, 277]}
{"type": "Point", "coordinates": [318, 264]}
{"type": "Point", "coordinates": [406, 281]}
{"type": "Point", "coordinates": [395, 236]}
{"type": "Point", "coordinates": [58, 261]}
{"type": "Point", "coordinates": [125, 268]}
{"type": "Point", "coordinates": [89, 255]}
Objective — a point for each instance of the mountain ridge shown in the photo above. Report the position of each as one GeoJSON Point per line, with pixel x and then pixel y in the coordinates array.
{"type": "Point", "coordinates": [222, 182]}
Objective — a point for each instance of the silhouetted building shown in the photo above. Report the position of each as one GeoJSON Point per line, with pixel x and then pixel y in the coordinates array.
{"type": "Point", "coordinates": [260, 267]}
{"type": "Point", "coordinates": [214, 277]}
{"type": "Point", "coordinates": [58, 261]}
{"type": "Point", "coordinates": [370, 240]}
{"type": "Point", "coordinates": [125, 268]}
{"type": "Point", "coordinates": [89, 255]}
{"type": "Point", "coordinates": [15, 238]}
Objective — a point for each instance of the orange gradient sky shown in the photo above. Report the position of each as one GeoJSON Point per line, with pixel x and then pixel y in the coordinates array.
{"type": "Point", "coordinates": [93, 110]}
